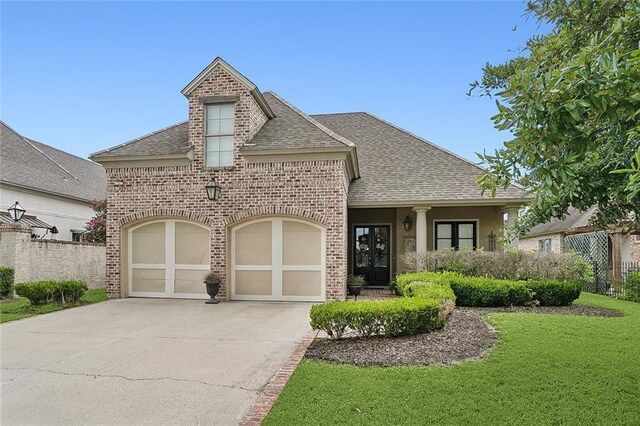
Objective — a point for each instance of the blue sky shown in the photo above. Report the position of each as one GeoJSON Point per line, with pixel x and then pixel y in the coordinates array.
{"type": "Point", "coordinates": [83, 76]}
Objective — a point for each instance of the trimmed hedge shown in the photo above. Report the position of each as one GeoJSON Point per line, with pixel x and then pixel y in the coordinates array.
{"type": "Point", "coordinates": [394, 317]}
{"type": "Point", "coordinates": [484, 291]}
{"type": "Point", "coordinates": [6, 280]}
{"type": "Point", "coordinates": [42, 292]}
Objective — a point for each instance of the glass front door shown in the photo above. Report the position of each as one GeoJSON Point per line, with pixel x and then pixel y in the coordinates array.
{"type": "Point", "coordinates": [372, 244]}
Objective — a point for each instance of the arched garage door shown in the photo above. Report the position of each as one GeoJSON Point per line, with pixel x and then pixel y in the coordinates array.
{"type": "Point", "coordinates": [168, 258]}
{"type": "Point", "coordinates": [278, 259]}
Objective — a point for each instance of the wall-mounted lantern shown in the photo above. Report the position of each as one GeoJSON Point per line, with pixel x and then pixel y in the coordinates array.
{"type": "Point", "coordinates": [492, 241]}
{"type": "Point", "coordinates": [213, 190]}
{"type": "Point", "coordinates": [407, 224]}
{"type": "Point", "coordinates": [16, 211]}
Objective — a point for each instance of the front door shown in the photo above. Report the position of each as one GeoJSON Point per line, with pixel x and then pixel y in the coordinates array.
{"type": "Point", "coordinates": [372, 244]}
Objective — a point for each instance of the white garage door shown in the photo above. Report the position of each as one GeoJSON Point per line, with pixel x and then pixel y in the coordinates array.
{"type": "Point", "coordinates": [278, 259]}
{"type": "Point", "coordinates": [168, 258]}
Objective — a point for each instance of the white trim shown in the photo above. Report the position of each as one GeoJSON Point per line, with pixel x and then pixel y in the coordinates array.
{"type": "Point", "coordinates": [169, 266]}
{"type": "Point", "coordinates": [277, 267]}
{"type": "Point", "coordinates": [434, 221]}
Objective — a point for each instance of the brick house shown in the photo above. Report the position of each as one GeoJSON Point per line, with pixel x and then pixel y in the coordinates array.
{"type": "Point", "coordinates": [305, 200]}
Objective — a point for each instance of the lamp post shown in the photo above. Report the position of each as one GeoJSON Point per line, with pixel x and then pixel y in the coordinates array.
{"type": "Point", "coordinates": [16, 211]}
{"type": "Point", "coordinates": [213, 190]}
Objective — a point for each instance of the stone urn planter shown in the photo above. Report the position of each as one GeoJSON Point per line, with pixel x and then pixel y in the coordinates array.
{"type": "Point", "coordinates": [355, 283]}
{"type": "Point", "coordinates": [212, 281]}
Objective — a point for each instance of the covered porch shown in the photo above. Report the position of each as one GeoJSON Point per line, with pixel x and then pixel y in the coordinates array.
{"type": "Point", "coordinates": [378, 237]}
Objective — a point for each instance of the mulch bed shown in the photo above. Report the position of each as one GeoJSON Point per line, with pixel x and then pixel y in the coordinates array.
{"type": "Point", "coordinates": [467, 336]}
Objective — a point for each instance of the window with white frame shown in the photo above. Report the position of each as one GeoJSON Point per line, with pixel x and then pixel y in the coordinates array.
{"type": "Point", "coordinates": [455, 235]}
{"type": "Point", "coordinates": [544, 246]}
{"type": "Point", "coordinates": [219, 135]}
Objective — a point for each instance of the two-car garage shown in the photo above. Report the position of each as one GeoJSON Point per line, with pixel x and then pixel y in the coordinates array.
{"type": "Point", "coordinates": [275, 258]}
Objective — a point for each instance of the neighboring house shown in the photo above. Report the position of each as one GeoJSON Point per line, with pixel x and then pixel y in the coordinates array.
{"type": "Point", "coordinates": [54, 187]}
{"type": "Point", "coordinates": [550, 237]}
{"type": "Point", "coordinates": [305, 200]}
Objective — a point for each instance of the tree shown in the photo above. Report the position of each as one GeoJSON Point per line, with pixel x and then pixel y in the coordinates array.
{"type": "Point", "coordinates": [571, 103]}
{"type": "Point", "coordinates": [97, 226]}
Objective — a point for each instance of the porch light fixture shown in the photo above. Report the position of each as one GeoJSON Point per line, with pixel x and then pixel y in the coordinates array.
{"type": "Point", "coordinates": [407, 224]}
{"type": "Point", "coordinates": [16, 211]}
{"type": "Point", "coordinates": [213, 190]}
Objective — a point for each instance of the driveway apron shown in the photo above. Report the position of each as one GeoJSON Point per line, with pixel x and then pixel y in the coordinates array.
{"type": "Point", "coordinates": [145, 361]}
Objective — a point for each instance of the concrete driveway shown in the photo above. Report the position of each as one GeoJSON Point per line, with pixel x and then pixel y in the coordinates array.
{"type": "Point", "coordinates": [144, 361]}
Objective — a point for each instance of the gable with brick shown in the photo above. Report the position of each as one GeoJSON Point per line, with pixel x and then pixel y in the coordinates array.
{"type": "Point", "coordinates": [304, 201]}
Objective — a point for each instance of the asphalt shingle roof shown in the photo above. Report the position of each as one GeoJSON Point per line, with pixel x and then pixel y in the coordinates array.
{"type": "Point", "coordinates": [27, 163]}
{"type": "Point", "coordinates": [574, 219]}
{"type": "Point", "coordinates": [171, 140]}
{"type": "Point", "coordinates": [396, 165]}
{"type": "Point", "coordinates": [292, 128]}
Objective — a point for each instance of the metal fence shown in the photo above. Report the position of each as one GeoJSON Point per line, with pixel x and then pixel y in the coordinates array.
{"type": "Point", "coordinates": [617, 283]}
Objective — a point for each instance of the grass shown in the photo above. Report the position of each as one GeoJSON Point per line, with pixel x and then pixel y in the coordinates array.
{"type": "Point", "coordinates": [545, 370]}
{"type": "Point", "coordinates": [21, 308]}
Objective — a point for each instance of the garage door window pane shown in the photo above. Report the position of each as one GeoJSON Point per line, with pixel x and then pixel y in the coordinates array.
{"type": "Point", "coordinates": [192, 244]}
{"type": "Point", "coordinates": [301, 244]}
{"type": "Point", "coordinates": [148, 280]}
{"type": "Point", "coordinates": [253, 244]}
{"type": "Point", "coordinates": [301, 283]}
{"type": "Point", "coordinates": [253, 283]}
{"type": "Point", "coordinates": [149, 244]}
{"type": "Point", "coordinates": [189, 281]}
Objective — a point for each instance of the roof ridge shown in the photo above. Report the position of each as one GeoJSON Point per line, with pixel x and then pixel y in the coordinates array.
{"type": "Point", "coordinates": [64, 152]}
{"type": "Point", "coordinates": [31, 143]}
{"type": "Point", "coordinates": [339, 113]}
{"type": "Point", "coordinates": [313, 121]}
{"type": "Point", "coordinates": [137, 139]}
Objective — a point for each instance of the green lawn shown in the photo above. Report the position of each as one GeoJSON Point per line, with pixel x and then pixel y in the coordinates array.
{"type": "Point", "coordinates": [21, 308]}
{"type": "Point", "coordinates": [545, 369]}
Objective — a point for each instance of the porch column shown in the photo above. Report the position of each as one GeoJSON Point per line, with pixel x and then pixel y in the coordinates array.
{"type": "Point", "coordinates": [512, 215]}
{"type": "Point", "coordinates": [421, 234]}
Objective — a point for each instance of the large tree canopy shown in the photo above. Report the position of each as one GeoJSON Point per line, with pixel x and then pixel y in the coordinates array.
{"type": "Point", "coordinates": [571, 102]}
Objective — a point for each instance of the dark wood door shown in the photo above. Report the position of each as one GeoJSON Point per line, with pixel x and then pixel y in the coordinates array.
{"type": "Point", "coordinates": [372, 245]}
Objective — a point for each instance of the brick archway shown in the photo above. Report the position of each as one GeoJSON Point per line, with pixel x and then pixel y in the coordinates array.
{"type": "Point", "coordinates": [275, 211]}
{"type": "Point", "coordinates": [163, 212]}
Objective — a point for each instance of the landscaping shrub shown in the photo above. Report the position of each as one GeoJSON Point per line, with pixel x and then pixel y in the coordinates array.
{"type": "Point", "coordinates": [485, 291]}
{"type": "Point", "coordinates": [396, 317]}
{"type": "Point", "coordinates": [42, 292]}
{"type": "Point", "coordinates": [512, 265]}
{"type": "Point", "coordinates": [6, 281]}
{"type": "Point", "coordinates": [555, 293]}
{"type": "Point", "coordinates": [632, 287]}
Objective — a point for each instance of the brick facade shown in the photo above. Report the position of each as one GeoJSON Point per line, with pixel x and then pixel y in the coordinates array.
{"type": "Point", "coordinates": [312, 190]}
{"type": "Point", "coordinates": [533, 243]}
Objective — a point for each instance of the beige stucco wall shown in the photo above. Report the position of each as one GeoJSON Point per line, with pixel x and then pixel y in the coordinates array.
{"type": "Point", "coordinates": [488, 219]}
{"type": "Point", "coordinates": [36, 260]}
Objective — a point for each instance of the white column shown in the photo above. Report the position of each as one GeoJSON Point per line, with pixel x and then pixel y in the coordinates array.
{"type": "Point", "coordinates": [512, 216]}
{"type": "Point", "coordinates": [421, 233]}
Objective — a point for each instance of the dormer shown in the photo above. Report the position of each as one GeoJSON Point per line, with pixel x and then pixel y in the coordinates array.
{"type": "Point", "coordinates": [226, 110]}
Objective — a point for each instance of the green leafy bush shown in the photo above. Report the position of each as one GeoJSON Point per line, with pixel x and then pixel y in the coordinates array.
{"type": "Point", "coordinates": [555, 293]}
{"type": "Point", "coordinates": [632, 287]}
{"type": "Point", "coordinates": [42, 292]}
{"type": "Point", "coordinates": [6, 280]}
{"type": "Point", "coordinates": [396, 317]}
{"type": "Point", "coordinates": [512, 265]}
{"type": "Point", "coordinates": [485, 291]}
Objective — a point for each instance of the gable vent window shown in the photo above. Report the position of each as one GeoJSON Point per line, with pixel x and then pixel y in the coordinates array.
{"type": "Point", "coordinates": [219, 135]}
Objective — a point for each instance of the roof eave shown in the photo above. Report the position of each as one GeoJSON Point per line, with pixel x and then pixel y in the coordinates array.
{"type": "Point", "coordinates": [495, 202]}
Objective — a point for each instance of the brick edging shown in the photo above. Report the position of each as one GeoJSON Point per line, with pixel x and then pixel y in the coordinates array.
{"type": "Point", "coordinates": [273, 389]}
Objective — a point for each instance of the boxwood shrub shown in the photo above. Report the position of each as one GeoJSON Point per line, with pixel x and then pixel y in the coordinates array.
{"type": "Point", "coordinates": [6, 281]}
{"type": "Point", "coordinates": [41, 292]}
{"type": "Point", "coordinates": [484, 291]}
{"type": "Point", "coordinates": [395, 317]}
